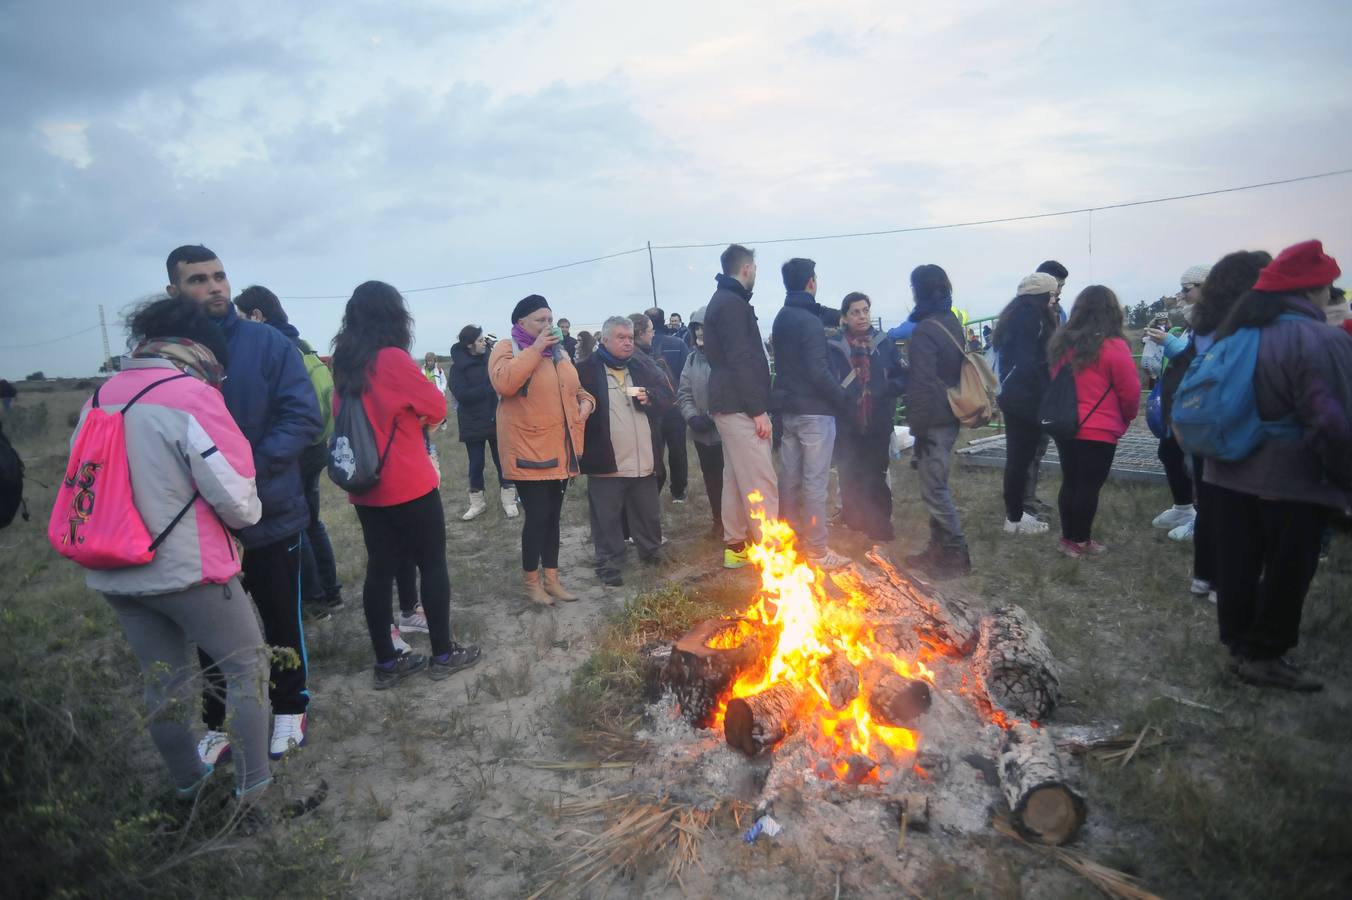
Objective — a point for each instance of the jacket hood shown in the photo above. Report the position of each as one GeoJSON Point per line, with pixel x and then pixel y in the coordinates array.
{"type": "Point", "coordinates": [289, 330]}
{"type": "Point", "coordinates": [697, 317]}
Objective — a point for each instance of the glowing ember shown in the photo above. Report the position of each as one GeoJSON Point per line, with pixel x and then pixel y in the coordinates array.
{"type": "Point", "coordinates": [814, 630]}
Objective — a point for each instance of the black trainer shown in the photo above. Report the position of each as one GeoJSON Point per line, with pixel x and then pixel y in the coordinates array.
{"type": "Point", "coordinates": [1278, 673]}
{"type": "Point", "coordinates": [462, 656]}
{"type": "Point", "coordinates": [404, 666]}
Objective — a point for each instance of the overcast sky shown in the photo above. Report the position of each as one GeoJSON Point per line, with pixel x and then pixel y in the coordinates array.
{"type": "Point", "coordinates": [421, 143]}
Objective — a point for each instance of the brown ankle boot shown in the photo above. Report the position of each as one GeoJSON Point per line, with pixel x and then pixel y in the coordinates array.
{"type": "Point", "coordinates": [535, 593]}
{"type": "Point", "coordinates": [553, 588]}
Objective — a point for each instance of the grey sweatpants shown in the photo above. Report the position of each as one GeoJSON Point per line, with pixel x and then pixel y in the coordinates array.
{"type": "Point", "coordinates": [640, 501]}
{"type": "Point", "coordinates": [220, 619]}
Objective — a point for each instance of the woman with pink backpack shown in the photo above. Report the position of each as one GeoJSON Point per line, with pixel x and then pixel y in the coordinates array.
{"type": "Point", "coordinates": [159, 475]}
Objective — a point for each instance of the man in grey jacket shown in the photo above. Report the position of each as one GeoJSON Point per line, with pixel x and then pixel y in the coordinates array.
{"type": "Point", "coordinates": [692, 399]}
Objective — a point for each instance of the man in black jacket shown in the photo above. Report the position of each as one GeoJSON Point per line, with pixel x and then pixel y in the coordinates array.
{"type": "Point", "coordinates": [632, 396]}
{"type": "Point", "coordinates": [661, 345]}
{"type": "Point", "coordinates": [739, 400]}
{"type": "Point", "coordinates": [808, 396]}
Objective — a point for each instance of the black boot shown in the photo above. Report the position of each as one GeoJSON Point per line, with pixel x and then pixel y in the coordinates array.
{"type": "Point", "coordinates": [956, 561]}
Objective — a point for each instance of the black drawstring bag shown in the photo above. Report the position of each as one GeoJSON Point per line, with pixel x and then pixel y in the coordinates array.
{"type": "Point", "coordinates": [1059, 411]}
{"type": "Point", "coordinates": [354, 460]}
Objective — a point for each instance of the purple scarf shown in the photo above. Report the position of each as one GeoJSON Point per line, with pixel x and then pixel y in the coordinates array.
{"type": "Point", "coordinates": [523, 340]}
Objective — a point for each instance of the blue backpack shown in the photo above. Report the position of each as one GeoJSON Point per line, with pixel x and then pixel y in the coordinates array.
{"type": "Point", "coordinates": [1215, 412]}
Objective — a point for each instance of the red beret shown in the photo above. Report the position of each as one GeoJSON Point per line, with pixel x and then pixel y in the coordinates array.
{"type": "Point", "coordinates": [1300, 267]}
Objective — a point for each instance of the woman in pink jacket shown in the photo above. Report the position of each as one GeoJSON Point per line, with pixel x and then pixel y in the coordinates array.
{"type": "Point", "coordinates": [1108, 390]}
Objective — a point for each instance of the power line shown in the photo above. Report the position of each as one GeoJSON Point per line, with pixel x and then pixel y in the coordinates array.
{"type": "Point", "coordinates": [52, 341]}
{"type": "Point", "coordinates": [855, 234]}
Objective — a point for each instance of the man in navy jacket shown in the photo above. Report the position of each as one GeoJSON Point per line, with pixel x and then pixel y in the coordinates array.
{"type": "Point", "coordinates": [273, 402]}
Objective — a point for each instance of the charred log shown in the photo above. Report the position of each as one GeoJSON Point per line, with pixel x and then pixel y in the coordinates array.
{"type": "Point", "coordinates": [839, 679]}
{"type": "Point", "coordinates": [1044, 807]}
{"type": "Point", "coordinates": [653, 659]}
{"type": "Point", "coordinates": [949, 625]}
{"type": "Point", "coordinates": [706, 662]}
{"type": "Point", "coordinates": [1015, 664]}
{"type": "Point", "coordinates": [755, 724]}
{"type": "Point", "coordinates": [894, 699]}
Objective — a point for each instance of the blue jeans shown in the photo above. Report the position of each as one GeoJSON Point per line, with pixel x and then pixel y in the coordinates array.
{"type": "Point", "coordinates": [806, 456]}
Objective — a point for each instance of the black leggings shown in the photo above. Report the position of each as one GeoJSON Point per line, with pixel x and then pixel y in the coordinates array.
{"type": "Point", "coordinates": [1176, 470]}
{"type": "Point", "coordinates": [415, 529]}
{"type": "Point", "coordinates": [1084, 470]}
{"type": "Point", "coordinates": [1204, 526]}
{"type": "Point", "coordinates": [711, 467]}
{"type": "Point", "coordinates": [1021, 443]}
{"type": "Point", "coordinates": [543, 503]}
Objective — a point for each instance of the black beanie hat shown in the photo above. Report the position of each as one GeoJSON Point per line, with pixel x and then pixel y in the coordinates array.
{"type": "Point", "coordinates": [527, 305]}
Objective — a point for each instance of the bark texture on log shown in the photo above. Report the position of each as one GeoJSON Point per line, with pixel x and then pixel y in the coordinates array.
{"type": "Point", "coordinates": [1044, 807]}
{"type": "Point", "coordinates": [839, 679]}
{"type": "Point", "coordinates": [1014, 663]}
{"type": "Point", "coordinates": [755, 724]}
{"type": "Point", "coordinates": [699, 675]}
{"type": "Point", "coordinates": [653, 659]}
{"type": "Point", "coordinates": [948, 625]}
{"type": "Point", "coordinates": [894, 699]}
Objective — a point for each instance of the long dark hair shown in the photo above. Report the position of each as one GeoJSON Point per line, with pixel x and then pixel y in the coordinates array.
{"type": "Point", "coordinates": [1254, 310]}
{"type": "Point", "coordinates": [1229, 279]}
{"type": "Point", "coordinates": [1041, 302]}
{"type": "Point", "coordinates": [175, 317]}
{"type": "Point", "coordinates": [1096, 317]}
{"type": "Point", "coordinates": [375, 318]}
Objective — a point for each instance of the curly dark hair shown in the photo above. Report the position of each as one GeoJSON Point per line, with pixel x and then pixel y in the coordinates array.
{"type": "Point", "coordinates": [1096, 317]}
{"type": "Point", "coordinates": [1229, 280]}
{"type": "Point", "coordinates": [175, 317]}
{"type": "Point", "coordinates": [375, 318]}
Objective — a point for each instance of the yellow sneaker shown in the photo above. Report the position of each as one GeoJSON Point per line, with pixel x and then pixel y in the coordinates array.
{"type": "Point", "coordinates": [734, 559]}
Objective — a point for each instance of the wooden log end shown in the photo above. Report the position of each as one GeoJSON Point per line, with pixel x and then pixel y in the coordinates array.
{"type": "Point", "coordinates": [1051, 813]}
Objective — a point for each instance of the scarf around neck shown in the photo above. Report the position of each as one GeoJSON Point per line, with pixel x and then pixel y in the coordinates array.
{"type": "Point", "coordinates": [610, 359]}
{"type": "Point", "coordinates": [861, 360]}
{"type": "Point", "coordinates": [523, 338]}
{"type": "Point", "coordinates": [188, 356]}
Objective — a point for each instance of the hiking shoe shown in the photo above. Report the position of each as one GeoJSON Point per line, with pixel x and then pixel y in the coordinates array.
{"type": "Point", "coordinates": [462, 656]}
{"type": "Point", "coordinates": [1183, 532]}
{"type": "Point", "coordinates": [1200, 587]}
{"type": "Point", "coordinates": [414, 621]}
{"type": "Point", "coordinates": [1027, 525]}
{"type": "Point", "coordinates": [1174, 516]}
{"type": "Point", "coordinates": [1277, 673]}
{"type": "Point", "coordinates": [383, 677]}
{"type": "Point", "coordinates": [288, 733]}
{"type": "Point", "coordinates": [830, 561]}
{"type": "Point", "coordinates": [1070, 548]}
{"type": "Point", "coordinates": [401, 647]}
{"type": "Point", "coordinates": [734, 559]}
{"type": "Point", "coordinates": [214, 748]}
{"type": "Point", "coordinates": [610, 577]}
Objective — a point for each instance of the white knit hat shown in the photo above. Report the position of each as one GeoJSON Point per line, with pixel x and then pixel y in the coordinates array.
{"type": "Point", "coordinates": [1194, 275]}
{"type": "Point", "coordinates": [1037, 283]}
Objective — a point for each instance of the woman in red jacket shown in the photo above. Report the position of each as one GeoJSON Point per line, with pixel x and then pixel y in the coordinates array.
{"type": "Point", "coordinates": [402, 514]}
{"type": "Point", "coordinates": [1109, 393]}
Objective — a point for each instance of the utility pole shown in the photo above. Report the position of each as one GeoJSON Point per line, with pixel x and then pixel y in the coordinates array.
{"type": "Point", "coordinates": [107, 351]}
{"type": "Point", "coordinates": [651, 273]}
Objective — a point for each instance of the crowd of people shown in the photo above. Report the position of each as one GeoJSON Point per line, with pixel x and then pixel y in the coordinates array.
{"type": "Point", "coordinates": [241, 445]}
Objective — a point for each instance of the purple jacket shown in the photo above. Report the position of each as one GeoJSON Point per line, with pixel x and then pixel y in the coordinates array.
{"type": "Point", "coordinates": [1304, 367]}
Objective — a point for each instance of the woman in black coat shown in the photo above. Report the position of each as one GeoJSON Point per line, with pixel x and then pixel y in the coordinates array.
{"type": "Point", "coordinates": [477, 414]}
{"type": "Point", "coordinates": [1020, 337]}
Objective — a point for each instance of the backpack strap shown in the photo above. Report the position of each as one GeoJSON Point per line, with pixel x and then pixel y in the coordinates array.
{"type": "Point", "coordinates": [1108, 391]}
{"type": "Point", "coordinates": [94, 404]}
{"type": "Point", "coordinates": [154, 545]}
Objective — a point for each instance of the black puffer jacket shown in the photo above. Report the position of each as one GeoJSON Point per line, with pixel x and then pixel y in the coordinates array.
{"type": "Point", "coordinates": [936, 365]}
{"type": "Point", "coordinates": [1024, 372]}
{"type": "Point", "coordinates": [739, 376]}
{"type": "Point", "coordinates": [477, 414]}
{"type": "Point", "coordinates": [888, 380]}
{"type": "Point", "coordinates": [805, 384]}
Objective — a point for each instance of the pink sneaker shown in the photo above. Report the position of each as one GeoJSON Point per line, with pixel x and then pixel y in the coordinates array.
{"type": "Point", "coordinates": [1070, 548]}
{"type": "Point", "coordinates": [1093, 548]}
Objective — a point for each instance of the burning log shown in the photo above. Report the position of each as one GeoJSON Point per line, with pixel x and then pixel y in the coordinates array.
{"type": "Point", "coordinates": [839, 679]}
{"type": "Point", "coordinates": [1044, 806]}
{"type": "Point", "coordinates": [706, 662]}
{"type": "Point", "coordinates": [1015, 664]}
{"type": "Point", "coordinates": [948, 622]}
{"type": "Point", "coordinates": [756, 723]}
{"type": "Point", "coordinates": [894, 699]}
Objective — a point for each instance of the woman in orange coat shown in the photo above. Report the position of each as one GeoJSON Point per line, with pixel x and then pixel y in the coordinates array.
{"type": "Point", "coordinates": [540, 423]}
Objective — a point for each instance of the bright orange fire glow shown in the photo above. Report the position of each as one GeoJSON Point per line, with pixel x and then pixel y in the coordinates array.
{"type": "Point", "coordinates": [811, 626]}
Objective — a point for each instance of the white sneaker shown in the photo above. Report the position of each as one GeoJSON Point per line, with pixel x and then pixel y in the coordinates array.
{"type": "Point", "coordinates": [830, 561]}
{"type": "Point", "coordinates": [1211, 598]}
{"type": "Point", "coordinates": [1174, 516]}
{"type": "Point", "coordinates": [401, 647]}
{"type": "Point", "coordinates": [214, 748]}
{"type": "Point", "coordinates": [414, 621]}
{"type": "Point", "coordinates": [1183, 532]}
{"type": "Point", "coordinates": [477, 507]}
{"type": "Point", "coordinates": [1200, 587]}
{"type": "Point", "coordinates": [508, 496]}
{"type": "Point", "coordinates": [288, 733]}
{"type": "Point", "coordinates": [1029, 524]}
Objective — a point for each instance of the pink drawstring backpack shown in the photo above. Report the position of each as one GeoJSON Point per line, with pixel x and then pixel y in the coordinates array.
{"type": "Point", "coordinates": [94, 521]}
